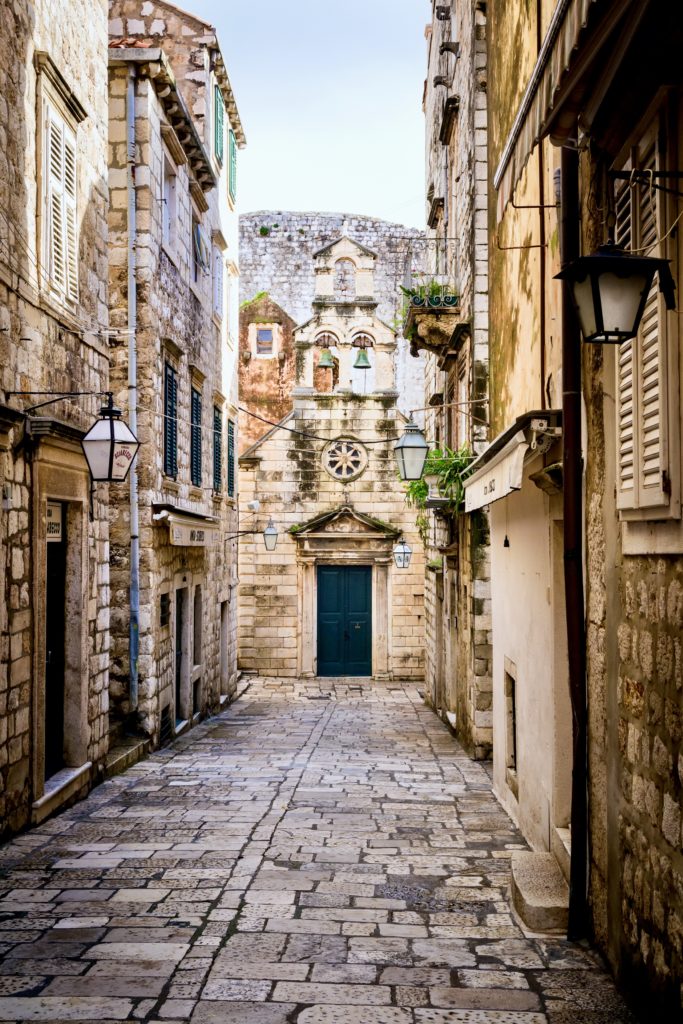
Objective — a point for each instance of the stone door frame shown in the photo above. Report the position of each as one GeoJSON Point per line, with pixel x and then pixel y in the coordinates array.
{"type": "Point", "coordinates": [378, 555]}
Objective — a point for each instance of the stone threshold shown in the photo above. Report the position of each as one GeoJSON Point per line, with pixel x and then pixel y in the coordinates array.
{"type": "Point", "coordinates": [59, 788]}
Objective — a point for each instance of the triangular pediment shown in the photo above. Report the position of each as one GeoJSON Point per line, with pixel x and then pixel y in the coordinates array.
{"type": "Point", "coordinates": [345, 245]}
{"type": "Point", "coordinates": [345, 520]}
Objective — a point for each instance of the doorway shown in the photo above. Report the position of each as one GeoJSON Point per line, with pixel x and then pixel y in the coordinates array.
{"type": "Point", "coordinates": [344, 620]}
{"type": "Point", "coordinates": [181, 652]}
{"type": "Point", "coordinates": [55, 631]}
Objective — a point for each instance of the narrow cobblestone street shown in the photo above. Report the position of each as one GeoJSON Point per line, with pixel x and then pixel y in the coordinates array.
{"type": "Point", "coordinates": [313, 855]}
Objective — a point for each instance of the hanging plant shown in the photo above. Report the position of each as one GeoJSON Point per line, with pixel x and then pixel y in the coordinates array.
{"type": "Point", "coordinates": [451, 467]}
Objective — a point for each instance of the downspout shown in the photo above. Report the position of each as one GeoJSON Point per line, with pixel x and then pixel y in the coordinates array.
{"type": "Point", "coordinates": [573, 553]}
{"type": "Point", "coordinates": [134, 624]}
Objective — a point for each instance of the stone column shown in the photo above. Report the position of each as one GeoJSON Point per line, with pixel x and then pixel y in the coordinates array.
{"type": "Point", "coordinates": [307, 605]}
{"type": "Point", "coordinates": [345, 353]}
{"type": "Point", "coordinates": [380, 626]}
{"type": "Point", "coordinates": [385, 377]}
{"type": "Point", "coordinates": [304, 367]}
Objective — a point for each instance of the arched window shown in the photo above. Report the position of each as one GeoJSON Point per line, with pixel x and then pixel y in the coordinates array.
{"type": "Point", "coordinates": [326, 339]}
{"type": "Point", "coordinates": [344, 279]}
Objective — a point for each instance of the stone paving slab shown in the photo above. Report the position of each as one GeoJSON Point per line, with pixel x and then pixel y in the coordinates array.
{"type": "Point", "coordinates": [292, 861]}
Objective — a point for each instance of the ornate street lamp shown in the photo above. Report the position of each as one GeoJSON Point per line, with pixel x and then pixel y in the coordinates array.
{"type": "Point", "coordinates": [110, 446]}
{"type": "Point", "coordinates": [610, 288]}
{"type": "Point", "coordinates": [270, 536]}
{"type": "Point", "coordinates": [402, 554]}
{"type": "Point", "coordinates": [410, 452]}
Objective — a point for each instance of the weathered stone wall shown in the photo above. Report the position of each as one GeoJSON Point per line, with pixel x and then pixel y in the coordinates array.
{"type": "Point", "coordinates": [48, 345]}
{"type": "Point", "coordinates": [276, 250]}
{"type": "Point", "coordinates": [177, 323]}
{"type": "Point", "coordinates": [265, 384]}
{"type": "Point", "coordinates": [457, 587]}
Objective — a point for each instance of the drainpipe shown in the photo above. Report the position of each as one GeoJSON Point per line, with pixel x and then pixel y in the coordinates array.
{"type": "Point", "coordinates": [573, 552]}
{"type": "Point", "coordinates": [134, 626]}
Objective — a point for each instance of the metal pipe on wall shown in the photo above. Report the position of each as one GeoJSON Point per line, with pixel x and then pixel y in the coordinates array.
{"type": "Point", "coordinates": [134, 622]}
{"type": "Point", "coordinates": [578, 926]}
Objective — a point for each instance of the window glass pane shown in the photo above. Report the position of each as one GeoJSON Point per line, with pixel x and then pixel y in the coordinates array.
{"type": "Point", "coordinates": [264, 341]}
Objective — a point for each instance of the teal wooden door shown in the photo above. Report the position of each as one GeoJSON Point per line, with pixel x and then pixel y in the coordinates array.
{"type": "Point", "coordinates": [344, 620]}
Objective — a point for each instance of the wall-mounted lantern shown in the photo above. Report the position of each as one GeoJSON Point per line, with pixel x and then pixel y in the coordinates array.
{"type": "Point", "coordinates": [402, 554]}
{"type": "Point", "coordinates": [110, 446]}
{"type": "Point", "coordinates": [410, 452]}
{"type": "Point", "coordinates": [270, 536]}
{"type": "Point", "coordinates": [610, 288]}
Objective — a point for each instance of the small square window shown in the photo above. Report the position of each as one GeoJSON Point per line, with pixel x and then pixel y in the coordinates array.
{"type": "Point", "coordinates": [264, 341]}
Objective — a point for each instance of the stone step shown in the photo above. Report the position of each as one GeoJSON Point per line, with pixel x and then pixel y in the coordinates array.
{"type": "Point", "coordinates": [540, 893]}
{"type": "Point", "coordinates": [126, 752]}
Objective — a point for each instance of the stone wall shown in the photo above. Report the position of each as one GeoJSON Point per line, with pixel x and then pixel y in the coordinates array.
{"type": "Point", "coordinates": [265, 384]}
{"type": "Point", "coordinates": [48, 344]}
{"type": "Point", "coordinates": [276, 249]}
{"type": "Point", "coordinates": [177, 323]}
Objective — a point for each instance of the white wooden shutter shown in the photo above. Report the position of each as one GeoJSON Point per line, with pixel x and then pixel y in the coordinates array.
{"type": "Point", "coordinates": [218, 282]}
{"type": "Point", "coordinates": [643, 476]}
{"type": "Point", "coordinates": [61, 236]}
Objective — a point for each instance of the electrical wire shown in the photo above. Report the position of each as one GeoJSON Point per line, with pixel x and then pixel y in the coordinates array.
{"type": "Point", "coordinates": [309, 436]}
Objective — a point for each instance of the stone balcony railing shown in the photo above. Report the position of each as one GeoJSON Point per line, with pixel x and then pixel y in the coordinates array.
{"type": "Point", "coordinates": [436, 324]}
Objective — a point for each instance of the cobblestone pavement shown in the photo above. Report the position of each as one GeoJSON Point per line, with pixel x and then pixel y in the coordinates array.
{"type": "Point", "coordinates": [308, 857]}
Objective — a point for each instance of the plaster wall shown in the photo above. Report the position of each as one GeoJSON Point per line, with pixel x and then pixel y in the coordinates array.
{"type": "Point", "coordinates": [528, 627]}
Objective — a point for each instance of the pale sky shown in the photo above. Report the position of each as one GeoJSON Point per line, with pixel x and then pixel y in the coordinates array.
{"type": "Point", "coordinates": [330, 95]}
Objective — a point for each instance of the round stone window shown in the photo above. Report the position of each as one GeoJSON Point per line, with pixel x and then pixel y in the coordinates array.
{"type": "Point", "coordinates": [345, 459]}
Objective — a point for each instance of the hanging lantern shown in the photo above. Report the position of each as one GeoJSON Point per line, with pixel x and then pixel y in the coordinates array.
{"type": "Point", "coordinates": [610, 288]}
{"type": "Point", "coordinates": [110, 446]}
{"type": "Point", "coordinates": [270, 536]}
{"type": "Point", "coordinates": [402, 554]}
{"type": "Point", "coordinates": [362, 361]}
{"type": "Point", "coordinates": [326, 361]}
{"type": "Point", "coordinates": [410, 452]}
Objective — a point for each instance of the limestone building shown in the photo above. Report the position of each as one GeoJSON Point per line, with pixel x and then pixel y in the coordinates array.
{"type": "Point", "coordinates": [330, 600]}
{"type": "Point", "coordinates": [447, 319]}
{"type": "Point", "coordinates": [54, 583]}
{"type": "Point", "coordinates": [266, 373]}
{"type": "Point", "coordinates": [589, 502]}
{"type": "Point", "coordinates": [174, 132]}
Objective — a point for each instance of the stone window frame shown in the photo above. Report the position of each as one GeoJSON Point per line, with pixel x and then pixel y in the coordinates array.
{"type": "Point", "coordinates": [55, 100]}
{"type": "Point", "coordinates": [171, 354]}
{"type": "Point", "coordinates": [169, 241]}
{"type": "Point", "coordinates": [254, 328]}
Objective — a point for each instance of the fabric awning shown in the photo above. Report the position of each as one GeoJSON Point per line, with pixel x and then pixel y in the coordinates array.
{"type": "Point", "coordinates": [556, 54]}
{"type": "Point", "coordinates": [498, 477]}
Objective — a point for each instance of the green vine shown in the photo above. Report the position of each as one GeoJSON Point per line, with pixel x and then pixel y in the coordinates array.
{"type": "Point", "coordinates": [450, 466]}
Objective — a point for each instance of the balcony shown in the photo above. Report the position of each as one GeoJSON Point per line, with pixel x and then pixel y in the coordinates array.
{"type": "Point", "coordinates": [434, 319]}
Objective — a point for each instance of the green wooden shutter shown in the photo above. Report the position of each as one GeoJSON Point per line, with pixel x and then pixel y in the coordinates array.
{"type": "Point", "coordinates": [217, 449]}
{"type": "Point", "coordinates": [231, 459]}
{"type": "Point", "coordinates": [196, 438]}
{"type": "Point", "coordinates": [232, 181]}
{"type": "Point", "coordinates": [170, 421]}
{"type": "Point", "coordinates": [218, 128]}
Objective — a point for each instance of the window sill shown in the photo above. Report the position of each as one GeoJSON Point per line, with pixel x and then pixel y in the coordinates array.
{"type": "Point", "coordinates": [195, 493]}
{"type": "Point", "coordinates": [169, 484]}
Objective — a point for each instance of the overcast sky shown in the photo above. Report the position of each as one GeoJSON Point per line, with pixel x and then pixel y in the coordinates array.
{"type": "Point", "coordinates": [329, 92]}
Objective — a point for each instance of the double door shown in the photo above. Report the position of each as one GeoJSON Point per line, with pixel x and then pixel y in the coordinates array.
{"type": "Point", "coordinates": [344, 620]}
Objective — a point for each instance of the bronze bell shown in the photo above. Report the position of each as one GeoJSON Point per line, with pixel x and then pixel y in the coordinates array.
{"type": "Point", "coordinates": [362, 361]}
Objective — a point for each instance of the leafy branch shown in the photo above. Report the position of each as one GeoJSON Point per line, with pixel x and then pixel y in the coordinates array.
{"type": "Point", "coordinates": [451, 467]}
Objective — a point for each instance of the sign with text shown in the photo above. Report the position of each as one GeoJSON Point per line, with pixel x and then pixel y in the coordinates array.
{"type": "Point", "coordinates": [53, 528]}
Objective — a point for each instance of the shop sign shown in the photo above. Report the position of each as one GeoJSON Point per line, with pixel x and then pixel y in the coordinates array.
{"type": "Point", "coordinates": [53, 527]}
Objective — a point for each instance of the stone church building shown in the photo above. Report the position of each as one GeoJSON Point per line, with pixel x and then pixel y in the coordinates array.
{"type": "Point", "coordinates": [330, 600]}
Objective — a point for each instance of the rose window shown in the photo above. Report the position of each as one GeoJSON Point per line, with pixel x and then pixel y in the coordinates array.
{"type": "Point", "coordinates": [345, 459]}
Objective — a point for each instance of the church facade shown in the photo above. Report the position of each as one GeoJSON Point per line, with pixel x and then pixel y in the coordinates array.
{"type": "Point", "coordinates": [330, 600]}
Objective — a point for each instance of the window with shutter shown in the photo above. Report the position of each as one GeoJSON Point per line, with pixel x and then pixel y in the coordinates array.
{"type": "Point", "coordinates": [218, 124]}
{"type": "Point", "coordinates": [231, 459]}
{"type": "Point", "coordinates": [646, 485]}
{"type": "Point", "coordinates": [170, 421]}
{"type": "Point", "coordinates": [196, 438]}
{"type": "Point", "coordinates": [217, 449]}
{"type": "Point", "coordinates": [232, 176]}
{"type": "Point", "coordinates": [60, 210]}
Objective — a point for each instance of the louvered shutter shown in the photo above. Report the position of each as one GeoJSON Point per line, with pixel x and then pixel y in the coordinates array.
{"type": "Point", "coordinates": [60, 206]}
{"type": "Point", "coordinates": [218, 272]}
{"type": "Point", "coordinates": [170, 421]}
{"type": "Point", "coordinates": [642, 384]}
{"type": "Point", "coordinates": [217, 449]}
{"type": "Point", "coordinates": [231, 459]}
{"type": "Point", "coordinates": [196, 438]}
{"type": "Point", "coordinates": [232, 176]}
{"type": "Point", "coordinates": [219, 131]}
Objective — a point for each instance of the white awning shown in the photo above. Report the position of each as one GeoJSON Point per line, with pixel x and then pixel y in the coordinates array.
{"type": "Point", "coordinates": [189, 531]}
{"type": "Point", "coordinates": [498, 477]}
{"type": "Point", "coordinates": [556, 54]}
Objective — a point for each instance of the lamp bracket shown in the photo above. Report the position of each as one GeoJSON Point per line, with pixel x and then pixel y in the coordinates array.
{"type": "Point", "coordinates": [58, 396]}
